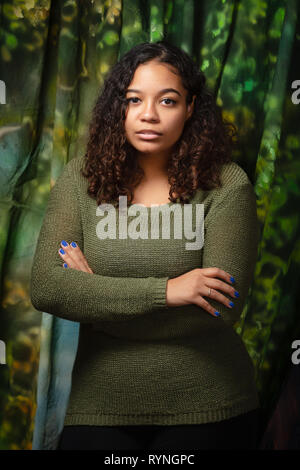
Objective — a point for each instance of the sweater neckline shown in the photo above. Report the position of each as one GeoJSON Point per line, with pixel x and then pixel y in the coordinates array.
{"type": "Point", "coordinates": [152, 205]}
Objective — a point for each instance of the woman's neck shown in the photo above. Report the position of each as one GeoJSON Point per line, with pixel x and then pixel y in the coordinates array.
{"type": "Point", "coordinates": [155, 168]}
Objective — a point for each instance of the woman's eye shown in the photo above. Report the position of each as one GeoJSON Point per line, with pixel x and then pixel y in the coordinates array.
{"type": "Point", "coordinates": [169, 99]}
{"type": "Point", "coordinates": [129, 99]}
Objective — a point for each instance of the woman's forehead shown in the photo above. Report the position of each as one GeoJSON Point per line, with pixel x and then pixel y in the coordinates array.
{"type": "Point", "coordinates": [156, 73]}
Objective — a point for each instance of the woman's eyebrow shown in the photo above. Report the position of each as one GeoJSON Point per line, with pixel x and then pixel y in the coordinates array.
{"type": "Point", "coordinates": [165, 90]}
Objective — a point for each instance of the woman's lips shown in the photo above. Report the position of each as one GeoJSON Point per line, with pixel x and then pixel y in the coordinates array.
{"type": "Point", "coordinates": [148, 136]}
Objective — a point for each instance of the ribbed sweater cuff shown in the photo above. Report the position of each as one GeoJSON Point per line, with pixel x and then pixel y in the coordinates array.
{"type": "Point", "coordinates": [159, 287]}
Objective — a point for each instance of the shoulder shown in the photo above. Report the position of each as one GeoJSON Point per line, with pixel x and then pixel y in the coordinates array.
{"type": "Point", "coordinates": [74, 165]}
{"type": "Point", "coordinates": [235, 183]}
{"type": "Point", "coordinates": [232, 175]}
{"type": "Point", "coordinates": [70, 176]}
{"type": "Point", "coordinates": [236, 190]}
{"type": "Point", "coordinates": [233, 179]}
{"type": "Point", "coordinates": [72, 171]}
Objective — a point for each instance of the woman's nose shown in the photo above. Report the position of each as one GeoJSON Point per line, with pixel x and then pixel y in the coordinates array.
{"type": "Point", "coordinates": [149, 111]}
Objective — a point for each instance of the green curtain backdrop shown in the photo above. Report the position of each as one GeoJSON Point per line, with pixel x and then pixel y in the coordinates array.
{"type": "Point", "coordinates": [54, 56]}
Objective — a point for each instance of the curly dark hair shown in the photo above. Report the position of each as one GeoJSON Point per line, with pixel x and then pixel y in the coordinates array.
{"type": "Point", "coordinates": [205, 144]}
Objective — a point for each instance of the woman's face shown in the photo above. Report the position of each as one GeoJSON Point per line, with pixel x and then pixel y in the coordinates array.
{"type": "Point", "coordinates": [156, 103]}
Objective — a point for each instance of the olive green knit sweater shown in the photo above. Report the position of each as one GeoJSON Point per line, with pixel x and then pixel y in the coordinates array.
{"type": "Point", "coordinates": [138, 361]}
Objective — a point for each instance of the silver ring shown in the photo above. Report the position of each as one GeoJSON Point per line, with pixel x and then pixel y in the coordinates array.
{"type": "Point", "coordinates": [209, 291]}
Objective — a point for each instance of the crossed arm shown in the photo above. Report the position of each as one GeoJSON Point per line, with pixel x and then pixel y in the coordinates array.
{"type": "Point", "coordinates": [77, 294]}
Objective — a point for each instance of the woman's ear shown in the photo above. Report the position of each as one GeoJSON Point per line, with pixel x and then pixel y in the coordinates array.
{"type": "Point", "coordinates": [190, 108]}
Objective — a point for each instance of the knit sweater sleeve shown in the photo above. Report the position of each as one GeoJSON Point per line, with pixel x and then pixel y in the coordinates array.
{"type": "Point", "coordinates": [231, 239]}
{"type": "Point", "coordinates": [76, 295]}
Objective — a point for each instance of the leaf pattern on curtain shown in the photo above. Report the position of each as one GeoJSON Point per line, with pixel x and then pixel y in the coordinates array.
{"type": "Point", "coordinates": [54, 57]}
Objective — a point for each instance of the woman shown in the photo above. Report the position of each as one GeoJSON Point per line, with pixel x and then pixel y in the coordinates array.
{"type": "Point", "coordinates": [159, 364]}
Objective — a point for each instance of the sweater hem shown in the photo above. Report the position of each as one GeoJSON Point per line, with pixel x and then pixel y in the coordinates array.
{"type": "Point", "coordinates": [165, 419]}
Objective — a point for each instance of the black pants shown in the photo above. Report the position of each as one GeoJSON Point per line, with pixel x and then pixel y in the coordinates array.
{"type": "Point", "coordinates": [240, 432]}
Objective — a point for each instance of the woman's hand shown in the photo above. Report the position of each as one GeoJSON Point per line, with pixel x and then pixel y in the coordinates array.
{"type": "Point", "coordinates": [191, 287]}
{"type": "Point", "coordinates": [73, 257]}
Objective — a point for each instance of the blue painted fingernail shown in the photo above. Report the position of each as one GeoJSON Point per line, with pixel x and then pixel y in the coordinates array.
{"type": "Point", "coordinates": [231, 304]}
{"type": "Point", "coordinates": [232, 279]}
{"type": "Point", "coordinates": [236, 293]}
{"type": "Point", "coordinates": [65, 265]}
{"type": "Point", "coordinates": [217, 313]}
{"type": "Point", "coordinates": [64, 243]}
{"type": "Point", "coordinates": [62, 251]}
{"type": "Point", "coordinates": [73, 244]}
